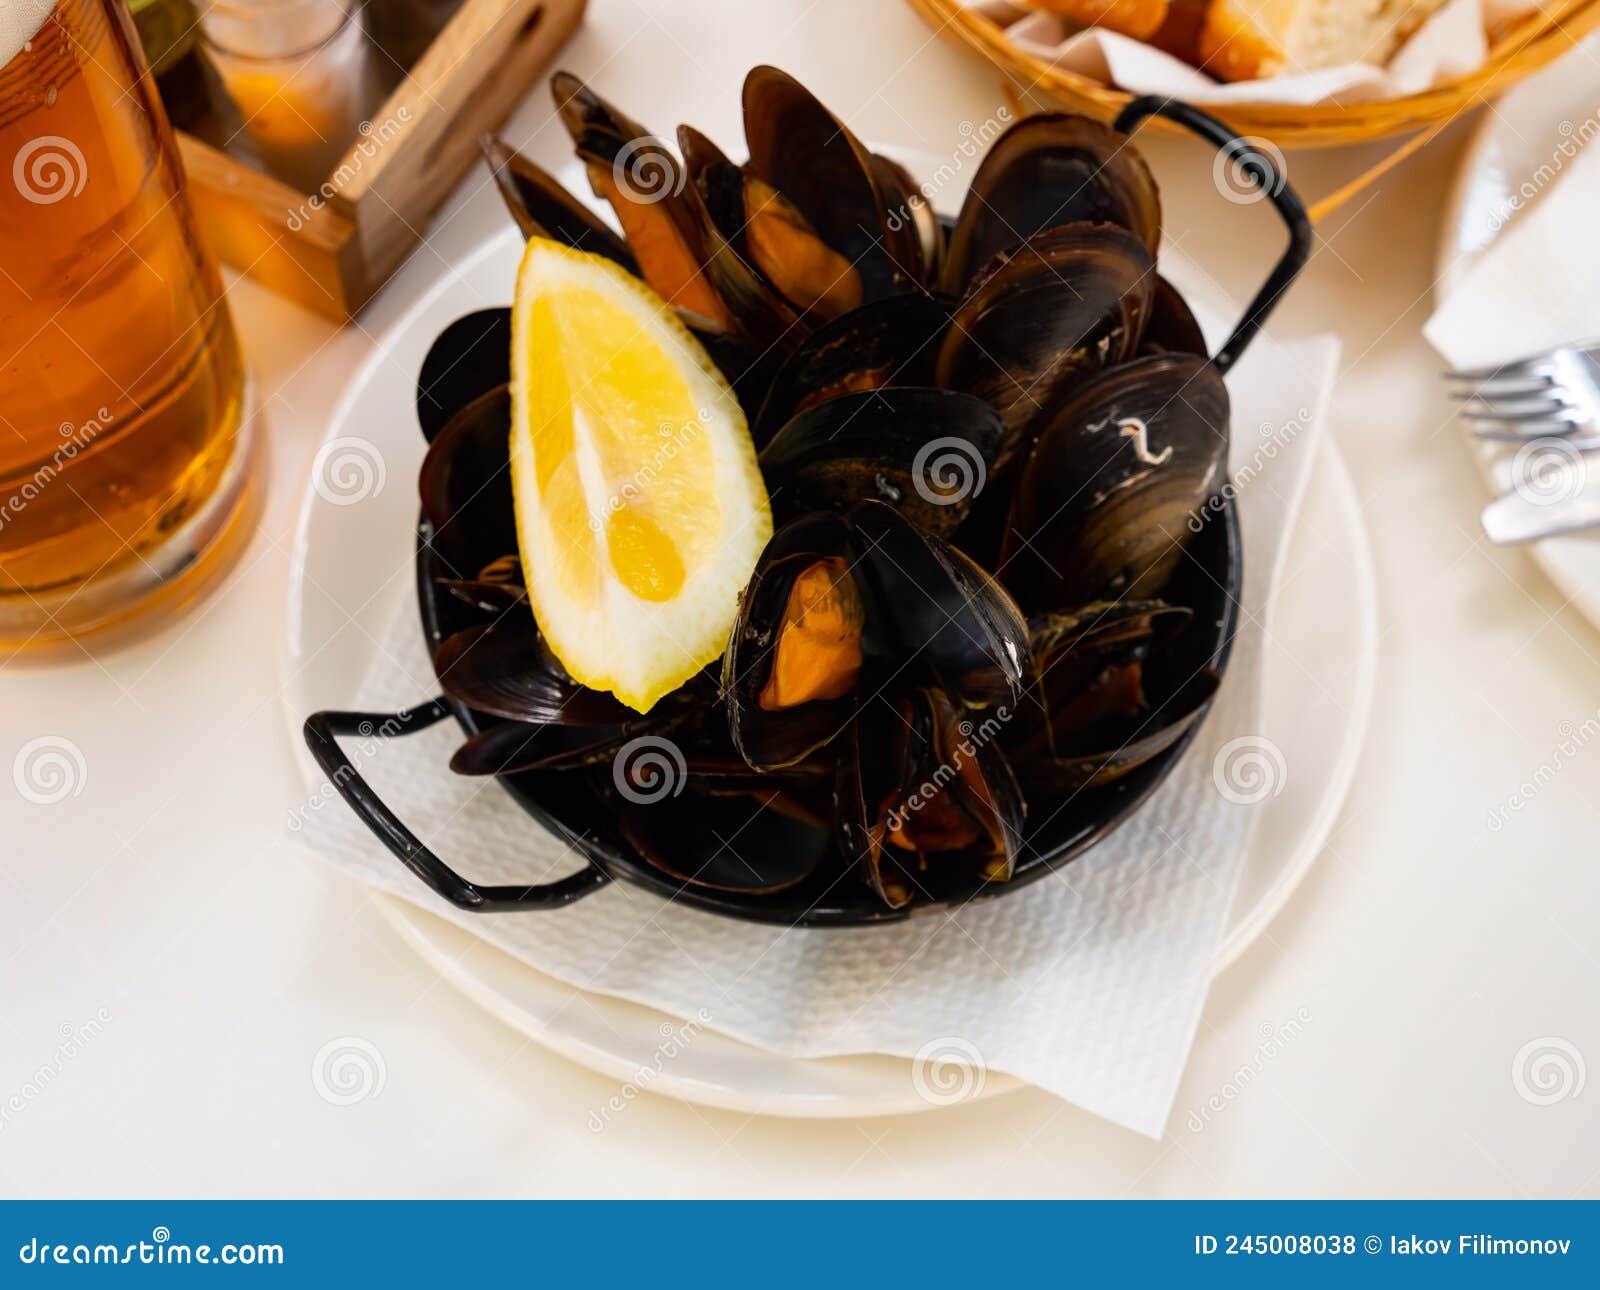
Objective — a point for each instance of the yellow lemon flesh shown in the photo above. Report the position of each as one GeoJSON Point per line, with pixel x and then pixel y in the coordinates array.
{"type": "Point", "coordinates": [640, 507]}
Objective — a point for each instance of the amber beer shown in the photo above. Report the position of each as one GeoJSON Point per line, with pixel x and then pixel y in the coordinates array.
{"type": "Point", "coordinates": [122, 458]}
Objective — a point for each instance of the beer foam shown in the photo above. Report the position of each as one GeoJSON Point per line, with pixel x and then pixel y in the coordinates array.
{"type": "Point", "coordinates": [20, 21]}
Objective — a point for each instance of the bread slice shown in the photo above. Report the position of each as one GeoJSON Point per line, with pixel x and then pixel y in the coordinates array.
{"type": "Point", "coordinates": [1137, 18]}
{"type": "Point", "coordinates": [1244, 40]}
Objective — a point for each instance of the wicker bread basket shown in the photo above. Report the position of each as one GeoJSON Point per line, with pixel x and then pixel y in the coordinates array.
{"type": "Point", "coordinates": [1524, 48]}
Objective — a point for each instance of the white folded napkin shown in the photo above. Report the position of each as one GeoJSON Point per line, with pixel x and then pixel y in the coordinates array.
{"type": "Point", "coordinates": [1088, 983]}
{"type": "Point", "coordinates": [1535, 287]}
{"type": "Point", "coordinates": [1453, 42]}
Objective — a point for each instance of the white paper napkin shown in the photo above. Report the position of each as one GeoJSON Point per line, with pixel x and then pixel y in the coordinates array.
{"type": "Point", "coordinates": [1535, 287]}
{"type": "Point", "coordinates": [1088, 983]}
{"type": "Point", "coordinates": [1453, 42]}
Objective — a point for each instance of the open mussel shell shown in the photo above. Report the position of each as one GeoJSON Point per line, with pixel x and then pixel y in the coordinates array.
{"type": "Point", "coordinates": [1113, 694]}
{"type": "Point", "coordinates": [1122, 731]}
{"type": "Point", "coordinates": [761, 311]}
{"type": "Point", "coordinates": [1115, 489]}
{"type": "Point", "coordinates": [766, 737]}
{"type": "Point", "coordinates": [805, 152]}
{"type": "Point", "coordinates": [926, 452]}
{"type": "Point", "coordinates": [543, 208]}
{"type": "Point", "coordinates": [465, 484]}
{"type": "Point", "coordinates": [644, 185]}
{"type": "Point", "coordinates": [1075, 652]}
{"type": "Point", "coordinates": [925, 801]}
{"type": "Point", "coordinates": [1046, 316]}
{"type": "Point", "coordinates": [504, 668]}
{"type": "Point", "coordinates": [467, 359]}
{"type": "Point", "coordinates": [1101, 626]}
{"type": "Point", "coordinates": [496, 587]}
{"type": "Point", "coordinates": [888, 342]}
{"type": "Point", "coordinates": [1047, 170]}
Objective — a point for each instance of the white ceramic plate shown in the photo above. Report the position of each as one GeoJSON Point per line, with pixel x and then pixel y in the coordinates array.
{"type": "Point", "coordinates": [1516, 143]}
{"type": "Point", "coordinates": [352, 567]}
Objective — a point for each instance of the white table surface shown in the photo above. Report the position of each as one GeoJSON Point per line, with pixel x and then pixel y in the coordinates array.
{"type": "Point", "coordinates": [1425, 948]}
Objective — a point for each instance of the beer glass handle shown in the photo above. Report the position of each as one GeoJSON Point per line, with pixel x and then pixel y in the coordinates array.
{"type": "Point", "coordinates": [321, 733]}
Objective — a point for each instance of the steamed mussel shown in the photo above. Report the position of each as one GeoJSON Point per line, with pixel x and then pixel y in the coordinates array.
{"type": "Point", "coordinates": [987, 598]}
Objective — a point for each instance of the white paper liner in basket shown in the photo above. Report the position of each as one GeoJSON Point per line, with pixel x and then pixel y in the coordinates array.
{"type": "Point", "coordinates": [1452, 43]}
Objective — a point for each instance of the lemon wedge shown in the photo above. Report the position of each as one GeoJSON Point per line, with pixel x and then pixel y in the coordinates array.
{"type": "Point", "coordinates": [640, 508]}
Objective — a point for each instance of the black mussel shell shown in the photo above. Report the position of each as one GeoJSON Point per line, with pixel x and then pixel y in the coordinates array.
{"type": "Point", "coordinates": [931, 617]}
{"type": "Point", "coordinates": [910, 768]}
{"type": "Point", "coordinates": [773, 740]}
{"type": "Point", "coordinates": [1044, 171]}
{"type": "Point", "coordinates": [645, 186]}
{"type": "Point", "coordinates": [1045, 317]}
{"type": "Point", "coordinates": [906, 203]}
{"type": "Point", "coordinates": [1094, 719]}
{"type": "Point", "coordinates": [543, 208]}
{"type": "Point", "coordinates": [926, 452]}
{"type": "Point", "coordinates": [1076, 652]}
{"type": "Point", "coordinates": [1172, 328]}
{"type": "Point", "coordinates": [1114, 491]}
{"type": "Point", "coordinates": [888, 342]}
{"type": "Point", "coordinates": [717, 184]}
{"type": "Point", "coordinates": [1100, 629]}
{"type": "Point", "coordinates": [510, 746]}
{"type": "Point", "coordinates": [467, 359]}
{"type": "Point", "coordinates": [748, 367]}
{"type": "Point", "coordinates": [761, 839]}
{"type": "Point", "coordinates": [505, 669]}
{"type": "Point", "coordinates": [799, 147]}
{"type": "Point", "coordinates": [465, 483]}
{"type": "Point", "coordinates": [497, 586]}
{"type": "Point", "coordinates": [950, 622]}
{"type": "Point", "coordinates": [1127, 735]}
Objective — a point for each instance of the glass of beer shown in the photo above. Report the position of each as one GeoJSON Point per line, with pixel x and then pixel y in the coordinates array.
{"type": "Point", "coordinates": [126, 466]}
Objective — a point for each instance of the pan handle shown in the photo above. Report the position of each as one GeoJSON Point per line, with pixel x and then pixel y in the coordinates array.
{"type": "Point", "coordinates": [321, 732]}
{"type": "Point", "coordinates": [1264, 172]}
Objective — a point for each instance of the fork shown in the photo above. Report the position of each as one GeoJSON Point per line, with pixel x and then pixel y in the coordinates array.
{"type": "Point", "coordinates": [1556, 393]}
{"type": "Point", "coordinates": [1550, 404]}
